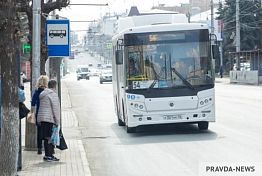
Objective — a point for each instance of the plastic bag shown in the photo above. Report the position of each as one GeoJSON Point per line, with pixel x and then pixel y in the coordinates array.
{"type": "Point", "coordinates": [55, 138]}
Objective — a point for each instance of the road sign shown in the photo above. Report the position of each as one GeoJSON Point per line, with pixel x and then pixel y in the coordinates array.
{"type": "Point", "coordinates": [57, 38]}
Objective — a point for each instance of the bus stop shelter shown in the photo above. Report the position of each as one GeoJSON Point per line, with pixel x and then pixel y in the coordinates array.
{"type": "Point", "coordinates": [246, 67]}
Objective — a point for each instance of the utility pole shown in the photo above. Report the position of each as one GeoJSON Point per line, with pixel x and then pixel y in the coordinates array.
{"type": "Point", "coordinates": [30, 142]}
{"type": "Point", "coordinates": [237, 35]}
{"type": "Point", "coordinates": [36, 41]}
{"type": "Point", "coordinates": [212, 19]}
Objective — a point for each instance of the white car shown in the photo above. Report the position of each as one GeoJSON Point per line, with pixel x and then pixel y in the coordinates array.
{"type": "Point", "coordinates": [105, 76]}
{"type": "Point", "coordinates": [83, 72]}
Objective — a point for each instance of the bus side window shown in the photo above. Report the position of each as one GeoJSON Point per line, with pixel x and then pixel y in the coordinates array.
{"type": "Point", "coordinates": [119, 57]}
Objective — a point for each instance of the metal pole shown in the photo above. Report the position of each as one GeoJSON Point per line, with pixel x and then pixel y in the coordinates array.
{"type": "Point", "coordinates": [221, 58]}
{"type": "Point", "coordinates": [19, 161]}
{"type": "Point", "coordinates": [212, 18]}
{"type": "Point", "coordinates": [36, 41]}
{"type": "Point", "coordinates": [237, 34]}
{"type": "Point", "coordinates": [30, 143]}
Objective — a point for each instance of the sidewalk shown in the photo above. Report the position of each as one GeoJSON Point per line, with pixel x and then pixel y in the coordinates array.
{"type": "Point", "coordinates": [73, 161]}
{"type": "Point", "coordinates": [224, 80]}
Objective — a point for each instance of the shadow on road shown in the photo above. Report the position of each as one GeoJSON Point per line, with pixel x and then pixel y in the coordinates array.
{"type": "Point", "coordinates": [163, 134]}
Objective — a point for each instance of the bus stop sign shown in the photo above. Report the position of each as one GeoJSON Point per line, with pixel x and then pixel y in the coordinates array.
{"type": "Point", "coordinates": [58, 38]}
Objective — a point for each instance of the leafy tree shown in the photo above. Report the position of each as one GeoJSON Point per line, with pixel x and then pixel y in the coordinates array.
{"type": "Point", "coordinates": [258, 24]}
{"type": "Point", "coordinates": [9, 33]}
{"type": "Point", "coordinates": [249, 25]}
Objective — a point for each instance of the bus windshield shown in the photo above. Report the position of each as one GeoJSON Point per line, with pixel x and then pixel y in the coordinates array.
{"type": "Point", "coordinates": [169, 60]}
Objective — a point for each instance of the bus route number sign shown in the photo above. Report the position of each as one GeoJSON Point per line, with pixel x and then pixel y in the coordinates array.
{"type": "Point", "coordinates": [136, 84]}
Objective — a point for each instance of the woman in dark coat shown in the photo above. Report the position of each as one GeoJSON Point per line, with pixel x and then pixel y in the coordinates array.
{"type": "Point", "coordinates": [41, 84]}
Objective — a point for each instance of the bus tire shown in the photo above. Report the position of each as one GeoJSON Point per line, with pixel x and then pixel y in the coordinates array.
{"type": "Point", "coordinates": [120, 122]}
{"type": "Point", "coordinates": [130, 129]}
{"type": "Point", "coordinates": [203, 125]}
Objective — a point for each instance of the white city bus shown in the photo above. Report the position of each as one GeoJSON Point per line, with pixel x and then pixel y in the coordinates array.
{"type": "Point", "coordinates": [163, 74]}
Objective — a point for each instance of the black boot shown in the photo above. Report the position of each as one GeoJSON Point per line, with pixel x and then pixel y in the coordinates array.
{"type": "Point", "coordinates": [39, 151]}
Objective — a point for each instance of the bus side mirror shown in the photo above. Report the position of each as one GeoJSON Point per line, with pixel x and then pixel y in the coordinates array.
{"type": "Point", "coordinates": [119, 57]}
{"type": "Point", "coordinates": [215, 52]}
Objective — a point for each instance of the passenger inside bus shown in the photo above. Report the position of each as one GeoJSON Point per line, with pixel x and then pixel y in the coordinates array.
{"type": "Point", "coordinates": [149, 70]}
{"type": "Point", "coordinates": [132, 69]}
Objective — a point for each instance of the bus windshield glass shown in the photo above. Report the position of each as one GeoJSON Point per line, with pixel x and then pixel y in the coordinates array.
{"type": "Point", "coordinates": [168, 60]}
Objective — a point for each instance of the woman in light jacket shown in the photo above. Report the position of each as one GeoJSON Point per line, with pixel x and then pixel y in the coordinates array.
{"type": "Point", "coordinates": [48, 116]}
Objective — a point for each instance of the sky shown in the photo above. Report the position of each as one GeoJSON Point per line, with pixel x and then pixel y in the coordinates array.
{"type": "Point", "coordinates": [90, 13]}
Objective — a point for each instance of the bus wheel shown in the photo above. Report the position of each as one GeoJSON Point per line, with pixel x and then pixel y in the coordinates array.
{"type": "Point", "coordinates": [203, 125]}
{"type": "Point", "coordinates": [120, 122]}
{"type": "Point", "coordinates": [130, 129]}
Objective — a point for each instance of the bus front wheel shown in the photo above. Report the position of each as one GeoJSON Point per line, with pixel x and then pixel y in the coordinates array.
{"type": "Point", "coordinates": [120, 122]}
{"type": "Point", "coordinates": [130, 129]}
{"type": "Point", "coordinates": [203, 125]}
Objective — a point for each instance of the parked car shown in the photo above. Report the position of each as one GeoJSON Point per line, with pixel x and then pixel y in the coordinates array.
{"type": "Point", "coordinates": [105, 76]}
{"type": "Point", "coordinates": [83, 72]}
{"type": "Point", "coordinates": [99, 66]}
{"type": "Point", "coordinates": [108, 66]}
{"type": "Point", "coordinates": [94, 72]}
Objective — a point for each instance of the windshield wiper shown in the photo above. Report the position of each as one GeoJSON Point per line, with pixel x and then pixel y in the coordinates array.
{"type": "Point", "coordinates": [153, 84]}
{"type": "Point", "coordinates": [182, 78]}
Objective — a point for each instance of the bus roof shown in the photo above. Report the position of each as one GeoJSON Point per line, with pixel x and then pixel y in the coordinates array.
{"type": "Point", "coordinates": [150, 19]}
{"type": "Point", "coordinates": [162, 28]}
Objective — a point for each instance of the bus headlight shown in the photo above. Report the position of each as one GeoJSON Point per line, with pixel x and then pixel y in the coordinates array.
{"type": "Point", "coordinates": [138, 106]}
{"type": "Point", "coordinates": [205, 101]}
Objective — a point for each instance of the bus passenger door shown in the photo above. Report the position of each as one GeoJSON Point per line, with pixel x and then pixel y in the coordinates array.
{"type": "Point", "coordinates": [120, 83]}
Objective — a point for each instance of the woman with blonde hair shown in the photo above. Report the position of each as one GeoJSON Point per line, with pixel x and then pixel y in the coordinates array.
{"type": "Point", "coordinates": [41, 84]}
{"type": "Point", "coordinates": [49, 116]}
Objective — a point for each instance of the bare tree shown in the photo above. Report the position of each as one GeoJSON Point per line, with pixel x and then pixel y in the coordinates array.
{"type": "Point", "coordinates": [8, 62]}
{"type": "Point", "coordinates": [46, 7]}
{"type": "Point", "coordinates": [9, 51]}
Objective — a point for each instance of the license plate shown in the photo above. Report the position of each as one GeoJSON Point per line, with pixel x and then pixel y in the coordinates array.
{"type": "Point", "coordinates": [172, 117]}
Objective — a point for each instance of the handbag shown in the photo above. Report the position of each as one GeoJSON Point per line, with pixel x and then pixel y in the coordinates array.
{"type": "Point", "coordinates": [23, 110]}
{"type": "Point", "coordinates": [63, 144]}
{"type": "Point", "coordinates": [31, 118]}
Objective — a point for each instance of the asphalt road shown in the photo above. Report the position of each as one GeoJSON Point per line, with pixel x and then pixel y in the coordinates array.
{"type": "Point", "coordinates": [170, 150]}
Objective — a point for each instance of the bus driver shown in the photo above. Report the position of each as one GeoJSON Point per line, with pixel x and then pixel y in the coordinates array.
{"type": "Point", "coordinates": [132, 69]}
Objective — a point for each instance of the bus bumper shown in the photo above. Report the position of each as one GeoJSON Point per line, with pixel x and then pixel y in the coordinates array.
{"type": "Point", "coordinates": [150, 118]}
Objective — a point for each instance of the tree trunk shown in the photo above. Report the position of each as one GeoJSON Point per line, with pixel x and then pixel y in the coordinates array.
{"type": "Point", "coordinates": [10, 119]}
{"type": "Point", "coordinates": [44, 52]}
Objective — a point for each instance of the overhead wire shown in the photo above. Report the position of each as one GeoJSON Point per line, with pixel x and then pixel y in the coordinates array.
{"type": "Point", "coordinates": [246, 9]}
